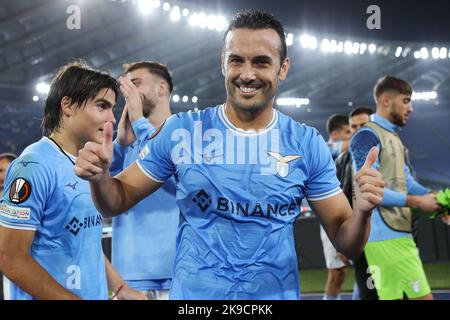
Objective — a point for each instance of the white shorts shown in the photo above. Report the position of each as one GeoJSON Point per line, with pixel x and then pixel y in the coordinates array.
{"type": "Point", "coordinates": [331, 257]}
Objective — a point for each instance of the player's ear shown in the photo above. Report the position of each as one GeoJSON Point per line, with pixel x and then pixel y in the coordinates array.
{"type": "Point", "coordinates": [66, 106]}
{"type": "Point", "coordinates": [284, 69]}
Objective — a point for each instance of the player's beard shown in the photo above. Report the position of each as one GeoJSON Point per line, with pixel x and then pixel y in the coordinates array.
{"type": "Point", "coordinates": [397, 118]}
{"type": "Point", "coordinates": [148, 105]}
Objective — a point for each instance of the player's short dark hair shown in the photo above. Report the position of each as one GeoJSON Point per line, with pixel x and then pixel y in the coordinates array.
{"type": "Point", "coordinates": [256, 20]}
{"type": "Point", "coordinates": [154, 67]}
{"type": "Point", "coordinates": [390, 83]}
{"type": "Point", "coordinates": [78, 81]}
{"type": "Point", "coordinates": [336, 122]}
{"type": "Point", "coordinates": [360, 110]}
{"type": "Point", "coordinates": [8, 156]}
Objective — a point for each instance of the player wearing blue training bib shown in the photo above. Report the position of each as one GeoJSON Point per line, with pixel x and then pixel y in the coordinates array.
{"type": "Point", "coordinates": [50, 230]}
{"type": "Point", "coordinates": [241, 172]}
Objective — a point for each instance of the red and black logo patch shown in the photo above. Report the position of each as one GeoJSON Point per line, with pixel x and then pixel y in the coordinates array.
{"type": "Point", "coordinates": [20, 190]}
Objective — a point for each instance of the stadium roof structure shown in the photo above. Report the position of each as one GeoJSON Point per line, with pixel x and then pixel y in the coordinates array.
{"type": "Point", "coordinates": [38, 36]}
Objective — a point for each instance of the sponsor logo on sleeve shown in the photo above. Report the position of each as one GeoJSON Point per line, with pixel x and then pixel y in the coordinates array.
{"type": "Point", "coordinates": [13, 212]}
{"type": "Point", "coordinates": [144, 152]}
{"type": "Point", "coordinates": [20, 190]}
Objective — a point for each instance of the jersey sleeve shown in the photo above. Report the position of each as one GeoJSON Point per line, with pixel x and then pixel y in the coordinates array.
{"type": "Point", "coordinates": [27, 187]}
{"type": "Point", "coordinates": [322, 182]}
{"type": "Point", "coordinates": [155, 158]}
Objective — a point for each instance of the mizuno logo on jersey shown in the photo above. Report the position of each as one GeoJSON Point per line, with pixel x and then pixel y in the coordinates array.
{"type": "Point", "coordinates": [283, 163]}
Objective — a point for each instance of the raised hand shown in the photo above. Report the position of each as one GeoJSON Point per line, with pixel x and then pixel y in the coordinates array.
{"type": "Point", "coordinates": [133, 101]}
{"type": "Point", "coordinates": [125, 133]}
{"type": "Point", "coordinates": [369, 184]}
{"type": "Point", "coordinates": [94, 159]}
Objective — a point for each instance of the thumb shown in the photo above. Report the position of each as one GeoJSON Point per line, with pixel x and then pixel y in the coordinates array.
{"type": "Point", "coordinates": [107, 136]}
{"type": "Point", "coordinates": [371, 158]}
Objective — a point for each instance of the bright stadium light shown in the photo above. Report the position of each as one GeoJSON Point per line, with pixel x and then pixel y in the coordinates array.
{"type": "Point", "coordinates": [194, 99]}
{"type": "Point", "coordinates": [406, 51]}
{"type": "Point", "coordinates": [424, 53]}
{"type": "Point", "coordinates": [195, 109]}
{"type": "Point", "coordinates": [185, 98]}
{"type": "Point", "coordinates": [202, 20]}
{"type": "Point", "coordinates": [313, 42]}
{"type": "Point", "coordinates": [156, 3]}
{"type": "Point", "coordinates": [340, 47]}
{"type": "Point", "coordinates": [289, 39]}
{"type": "Point", "coordinates": [443, 53]}
{"type": "Point", "coordinates": [221, 23]}
{"type": "Point", "coordinates": [43, 87]}
{"type": "Point", "coordinates": [348, 47]}
{"type": "Point", "coordinates": [175, 14]}
{"type": "Point", "coordinates": [166, 6]}
{"type": "Point", "coordinates": [332, 46]}
{"type": "Point", "coordinates": [176, 98]}
{"type": "Point", "coordinates": [362, 48]}
{"type": "Point", "coordinates": [35, 98]}
{"type": "Point", "coordinates": [398, 52]}
{"type": "Point", "coordinates": [372, 48]}
{"type": "Point", "coordinates": [304, 40]}
{"type": "Point", "coordinates": [145, 6]}
{"type": "Point", "coordinates": [425, 96]}
{"type": "Point", "coordinates": [292, 102]}
{"type": "Point", "coordinates": [185, 12]}
{"type": "Point", "coordinates": [435, 53]}
{"type": "Point", "coordinates": [355, 47]}
{"type": "Point", "coordinates": [193, 20]}
{"type": "Point", "coordinates": [325, 45]}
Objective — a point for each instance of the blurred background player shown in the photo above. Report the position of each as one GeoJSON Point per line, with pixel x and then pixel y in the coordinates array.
{"type": "Point", "coordinates": [390, 251]}
{"type": "Point", "coordinates": [5, 161]}
{"type": "Point", "coordinates": [50, 230]}
{"type": "Point", "coordinates": [143, 241]}
{"type": "Point", "coordinates": [358, 117]}
{"type": "Point", "coordinates": [338, 129]}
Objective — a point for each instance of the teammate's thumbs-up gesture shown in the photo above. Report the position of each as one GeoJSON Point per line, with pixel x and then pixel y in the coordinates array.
{"type": "Point", "coordinates": [94, 159]}
{"type": "Point", "coordinates": [368, 184]}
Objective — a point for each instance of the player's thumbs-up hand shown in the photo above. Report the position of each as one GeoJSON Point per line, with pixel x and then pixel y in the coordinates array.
{"type": "Point", "coordinates": [94, 159]}
{"type": "Point", "coordinates": [369, 184]}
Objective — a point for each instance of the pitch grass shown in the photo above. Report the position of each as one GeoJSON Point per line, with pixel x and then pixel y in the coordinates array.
{"type": "Point", "coordinates": [313, 280]}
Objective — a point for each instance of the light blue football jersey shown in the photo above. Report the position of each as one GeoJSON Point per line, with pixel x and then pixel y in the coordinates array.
{"type": "Point", "coordinates": [239, 193]}
{"type": "Point", "coordinates": [143, 238]}
{"type": "Point", "coordinates": [42, 193]}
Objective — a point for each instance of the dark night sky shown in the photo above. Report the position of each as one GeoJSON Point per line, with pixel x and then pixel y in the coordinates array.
{"type": "Point", "coordinates": [401, 20]}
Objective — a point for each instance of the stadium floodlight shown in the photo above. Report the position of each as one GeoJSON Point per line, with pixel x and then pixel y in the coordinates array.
{"type": "Point", "coordinates": [194, 99]}
{"type": "Point", "coordinates": [398, 52]}
{"type": "Point", "coordinates": [425, 96]}
{"type": "Point", "coordinates": [145, 6]}
{"type": "Point", "coordinates": [221, 23]}
{"type": "Point", "coordinates": [166, 6]}
{"type": "Point", "coordinates": [202, 20]}
{"type": "Point", "coordinates": [443, 53]}
{"type": "Point", "coordinates": [185, 12]}
{"type": "Point", "coordinates": [348, 47]}
{"type": "Point", "coordinates": [35, 98]}
{"type": "Point", "coordinates": [185, 98]}
{"type": "Point", "coordinates": [156, 3]}
{"type": "Point", "coordinates": [332, 46]}
{"type": "Point", "coordinates": [289, 39]}
{"type": "Point", "coordinates": [362, 48]}
{"type": "Point", "coordinates": [435, 53]}
{"type": "Point", "coordinates": [43, 87]}
{"type": "Point", "coordinates": [355, 47]}
{"type": "Point", "coordinates": [195, 109]}
{"type": "Point", "coordinates": [176, 98]}
{"type": "Point", "coordinates": [193, 20]}
{"type": "Point", "coordinates": [292, 102]}
{"type": "Point", "coordinates": [325, 45]}
{"type": "Point", "coordinates": [417, 54]}
{"type": "Point", "coordinates": [424, 53]}
{"type": "Point", "coordinates": [340, 47]}
{"type": "Point", "coordinates": [304, 40]}
{"type": "Point", "coordinates": [372, 48]}
{"type": "Point", "coordinates": [175, 14]}
{"type": "Point", "coordinates": [406, 51]}
{"type": "Point", "coordinates": [313, 42]}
